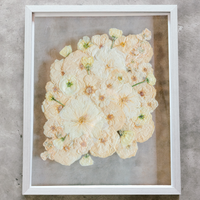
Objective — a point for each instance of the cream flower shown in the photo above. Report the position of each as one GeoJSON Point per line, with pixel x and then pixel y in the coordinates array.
{"type": "Point", "coordinates": [126, 151]}
{"type": "Point", "coordinates": [87, 63]}
{"type": "Point", "coordinates": [114, 115]}
{"type": "Point", "coordinates": [126, 137]}
{"type": "Point", "coordinates": [142, 52]}
{"type": "Point", "coordinates": [120, 77]}
{"type": "Point", "coordinates": [69, 85]}
{"type": "Point", "coordinates": [86, 160]}
{"type": "Point", "coordinates": [106, 143]}
{"type": "Point", "coordinates": [101, 41]}
{"type": "Point", "coordinates": [49, 97]}
{"type": "Point", "coordinates": [66, 51]}
{"type": "Point", "coordinates": [59, 143]}
{"type": "Point", "coordinates": [103, 98]}
{"type": "Point", "coordinates": [56, 71]}
{"type": "Point", "coordinates": [129, 101]}
{"type": "Point", "coordinates": [84, 43]}
{"type": "Point", "coordinates": [151, 79]}
{"type": "Point", "coordinates": [92, 83]}
{"type": "Point", "coordinates": [145, 69]}
{"type": "Point", "coordinates": [115, 33]}
{"type": "Point", "coordinates": [52, 129]}
{"type": "Point", "coordinates": [123, 44]}
{"type": "Point", "coordinates": [143, 117]}
{"type": "Point", "coordinates": [80, 116]}
{"type": "Point", "coordinates": [145, 35]}
{"type": "Point", "coordinates": [116, 59]}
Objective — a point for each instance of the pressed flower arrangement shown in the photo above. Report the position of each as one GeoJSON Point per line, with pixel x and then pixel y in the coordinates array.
{"type": "Point", "coordinates": [100, 99]}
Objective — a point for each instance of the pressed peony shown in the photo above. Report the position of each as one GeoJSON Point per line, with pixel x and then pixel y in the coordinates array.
{"type": "Point", "coordinates": [86, 160]}
{"type": "Point", "coordinates": [80, 116]}
{"type": "Point", "coordinates": [66, 51]}
{"type": "Point", "coordinates": [69, 85]}
{"type": "Point", "coordinates": [84, 43]}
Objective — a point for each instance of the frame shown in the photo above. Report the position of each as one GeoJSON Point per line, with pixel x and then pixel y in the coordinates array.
{"type": "Point", "coordinates": [101, 10]}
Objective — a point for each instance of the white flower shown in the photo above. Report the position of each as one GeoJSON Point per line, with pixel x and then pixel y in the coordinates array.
{"type": "Point", "coordinates": [69, 85]}
{"type": "Point", "coordinates": [151, 79]}
{"type": "Point", "coordinates": [143, 117]}
{"type": "Point", "coordinates": [102, 98]}
{"type": "Point", "coordinates": [146, 34]}
{"type": "Point", "coordinates": [59, 143]}
{"type": "Point", "coordinates": [115, 33]}
{"type": "Point", "coordinates": [129, 100]}
{"type": "Point", "coordinates": [87, 63]}
{"type": "Point", "coordinates": [101, 41]}
{"type": "Point", "coordinates": [80, 116]}
{"type": "Point", "coordinates": [66, 51]}
{"type": "Point", "coordinates": [84, 43]}
{"type": "Point", "coordinates": [86, 160]}
{"type": "Point", "coordinates": [127, 137]}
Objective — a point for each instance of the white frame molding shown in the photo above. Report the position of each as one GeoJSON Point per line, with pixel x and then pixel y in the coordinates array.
{"type": "Point", "coordinates": [101, 10]}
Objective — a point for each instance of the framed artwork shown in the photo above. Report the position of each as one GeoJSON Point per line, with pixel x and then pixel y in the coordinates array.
{"type": "Point", "coordinates": [127, 146]}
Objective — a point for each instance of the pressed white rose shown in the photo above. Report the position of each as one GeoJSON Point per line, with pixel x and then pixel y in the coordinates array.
{"type": "Point", "coordinates": [80, 116]}
{"type": "Point", "coordinates": [66, 51]}
{"type": "Point", "coordinates": [86, 160]}
{"type": "Point", "coordinates": [59, 143]}
{"type": "Point", "coordinates": [127, 137]}
{"type": "Point", "coordinates": [69, 85]}
{"type": "Point", "coordinates": [151, 79]}
{"type": "Point", "coordinates": [84, 43]}
{"type": "Point", "coordinates": [115, 33]}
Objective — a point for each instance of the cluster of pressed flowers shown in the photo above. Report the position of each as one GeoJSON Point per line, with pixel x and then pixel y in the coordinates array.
{"type": "Point", "coordinates": [100, 99]}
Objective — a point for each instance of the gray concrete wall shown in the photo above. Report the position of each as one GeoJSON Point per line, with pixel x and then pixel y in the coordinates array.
{"type": "Point", "coordinates": [11, 97]}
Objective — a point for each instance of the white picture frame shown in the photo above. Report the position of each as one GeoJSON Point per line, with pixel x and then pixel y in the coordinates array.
{"type": "Point", "coordinates": [103, 10]}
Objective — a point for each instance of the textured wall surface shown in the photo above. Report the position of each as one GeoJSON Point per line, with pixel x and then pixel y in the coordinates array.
{"type": "Point", "coordinates": [11, 97]}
